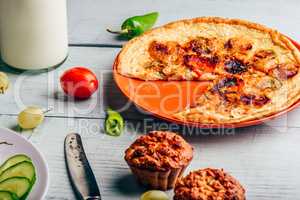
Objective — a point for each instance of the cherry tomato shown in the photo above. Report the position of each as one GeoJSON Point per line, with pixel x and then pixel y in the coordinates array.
{"type": "Point", "coordinates": [79, 82]}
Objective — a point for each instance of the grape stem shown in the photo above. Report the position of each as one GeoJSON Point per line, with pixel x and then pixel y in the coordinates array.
{"type": "Point", "coordinates": [48, 110]}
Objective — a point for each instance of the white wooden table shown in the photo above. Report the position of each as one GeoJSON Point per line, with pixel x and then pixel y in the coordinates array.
{"type": "Point", "coordinates": [265, 158]}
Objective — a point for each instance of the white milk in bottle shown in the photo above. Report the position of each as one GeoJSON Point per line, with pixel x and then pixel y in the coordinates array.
{"type": "Point", "coordinates": [33, 33]}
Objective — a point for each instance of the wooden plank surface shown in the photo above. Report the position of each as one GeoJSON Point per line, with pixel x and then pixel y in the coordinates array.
{"type": "Point", "coordinates": [44, 89]}
{"type": "Point", "coordinates": [264, 158]}
{"type": "Point", "coordinates": [89, 20]}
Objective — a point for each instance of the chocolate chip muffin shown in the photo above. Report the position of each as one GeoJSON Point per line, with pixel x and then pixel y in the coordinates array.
{"type": "Point", "coordinates": [209, 184]}
{"type": "Point", "coordinates": [159, 158]}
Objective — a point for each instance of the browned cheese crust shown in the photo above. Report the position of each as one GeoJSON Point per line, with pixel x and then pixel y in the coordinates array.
{"type": "Point", "coordinates": [159, 151]}
{"type": "Point", "coordinates": [208, 184]}
{"type": "Point", "coordinates": [252, 69]}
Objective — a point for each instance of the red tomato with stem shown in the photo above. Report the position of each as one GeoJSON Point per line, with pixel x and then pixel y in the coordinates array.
{"type": "Point", "coordinates": [79, 82]}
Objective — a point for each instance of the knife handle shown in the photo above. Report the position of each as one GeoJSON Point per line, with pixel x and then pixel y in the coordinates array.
{"type": "Point", "coordinates": [79, 170]}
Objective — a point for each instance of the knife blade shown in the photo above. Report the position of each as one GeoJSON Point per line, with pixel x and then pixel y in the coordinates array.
{"type": "Point", "coordinates": [79, 170]}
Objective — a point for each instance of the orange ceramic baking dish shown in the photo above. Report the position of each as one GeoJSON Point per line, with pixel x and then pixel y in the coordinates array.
{"type": "Point", "coordinates": [152, 96]}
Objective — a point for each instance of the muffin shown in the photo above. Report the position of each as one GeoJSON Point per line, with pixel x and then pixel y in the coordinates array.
{"type": "Point", "coordinates": [209, 184]}
{"type": "Point", "coordinates": [159, 158]}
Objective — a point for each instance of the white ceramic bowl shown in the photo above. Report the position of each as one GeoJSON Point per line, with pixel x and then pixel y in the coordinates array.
{"type": "Point", "coordinates": [22, 146]}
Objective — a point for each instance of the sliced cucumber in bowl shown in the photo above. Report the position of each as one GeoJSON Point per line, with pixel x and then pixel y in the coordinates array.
{"type": "Point", "coordinates": [23, 150]}
{"type": "Point", "coordinates": [6, 195]}
{"type": "Point", "coordinates": [17, 177]}
{"type": "Point", "coordinates": [13, 160]}
{"type": "Point", "coordinates": [23, 169]}
{"type": "Point", "coordinates": [20, 186]}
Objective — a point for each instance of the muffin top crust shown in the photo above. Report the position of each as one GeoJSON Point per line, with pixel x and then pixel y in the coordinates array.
{"type": "Point", "coordinates": [159, 151]}
{"type": "Point", "coordinates": [208, 184]}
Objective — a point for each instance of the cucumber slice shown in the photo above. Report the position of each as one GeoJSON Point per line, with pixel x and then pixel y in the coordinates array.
{"type": "Point", "coordinates": [6, 195]}
{"type": "Point", "coordinates": [14, 160]}
{"type": "Point", "coordinates": [23, 169]}
{"type": "Point", "coordinates": [17, 185]}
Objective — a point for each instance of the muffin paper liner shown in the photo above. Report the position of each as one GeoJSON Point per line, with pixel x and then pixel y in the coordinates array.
{"type": "Point", "coordinates": [161, 180]}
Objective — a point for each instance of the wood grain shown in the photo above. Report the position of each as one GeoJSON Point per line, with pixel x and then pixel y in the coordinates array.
{"type": "Point", "coordinates": [44, 89]}
{"type": "Point", "coordinates": [89, 20]}
{"type": "Point", "coordinates": [265, 159]}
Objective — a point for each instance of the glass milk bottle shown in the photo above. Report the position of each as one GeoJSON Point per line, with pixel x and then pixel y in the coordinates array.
{"type": "Point", "coordinates": [33, 33]}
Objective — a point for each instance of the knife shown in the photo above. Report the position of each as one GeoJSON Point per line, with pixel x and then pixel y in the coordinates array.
{"type": "Point", "coordinates": [79, 170]}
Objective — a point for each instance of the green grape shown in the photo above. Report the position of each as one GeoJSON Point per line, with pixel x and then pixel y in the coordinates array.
{"type": "Point", "coordinates": [4, 82]}
{"type": "Point", "coordinates": [31, 117]}
{"type": "Point", "coordinates": [154, 195]}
